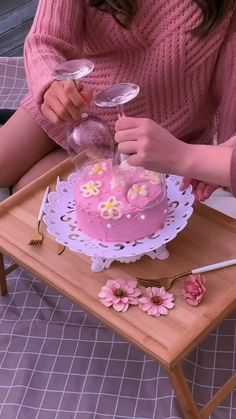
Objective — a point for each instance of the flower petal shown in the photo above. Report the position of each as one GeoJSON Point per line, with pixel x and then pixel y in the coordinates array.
{"type": "Point", "coordinates": [134, 301]}
{"type": "Point", "coordinates": [121, 307]}
{"type": "Point", "coordinates": [168, 304]}
{"type": "Point", "coordinates": [133, 283]}
{"type": "Point", "coordinates": [154, 311]}
{"type": "Point", "coordinates": [163, 310]}
{"type": "Point", "coordinates": [145, 307]}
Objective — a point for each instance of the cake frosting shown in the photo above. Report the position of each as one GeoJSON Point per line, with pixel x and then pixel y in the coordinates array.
{"type": "Point", "coordinates": [119, 204]}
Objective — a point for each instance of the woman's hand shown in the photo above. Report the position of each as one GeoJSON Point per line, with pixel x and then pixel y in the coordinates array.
{"type": "Point", "coordinates": [64, 101]}
{"type": "Point", "coordinates": [201, 190]}
{"type": "Point", "coordinates": [149, 145]}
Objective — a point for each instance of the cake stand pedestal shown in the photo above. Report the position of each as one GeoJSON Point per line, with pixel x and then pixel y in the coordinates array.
{"type": "Point", "coordinates": [99, 263]}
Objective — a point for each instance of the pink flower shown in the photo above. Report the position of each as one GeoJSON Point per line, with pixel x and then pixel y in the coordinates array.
{"type": "Point", "coordinates": [119, 294]}
{"type": "Point", "coordinates": [194, 289]}
{"type": "Point", "coordinates": [157, 301]}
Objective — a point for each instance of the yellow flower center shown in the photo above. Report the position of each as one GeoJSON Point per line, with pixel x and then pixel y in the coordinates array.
{"type": "Point", "coordinates": [91, 188]}
{"type": "Point", "coordinates": [98, 169]}
{"type": "Point", "coordinates": [110, 206]}
{"type": "Point", "coordinates": [137, 190]}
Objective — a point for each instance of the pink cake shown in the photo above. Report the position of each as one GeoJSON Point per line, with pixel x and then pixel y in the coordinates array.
{"type": "Point", "coordinates": [121, 204]}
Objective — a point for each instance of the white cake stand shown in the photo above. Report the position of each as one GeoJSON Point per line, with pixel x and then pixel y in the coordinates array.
{"type": "Point", "coordinates": [61, 223]}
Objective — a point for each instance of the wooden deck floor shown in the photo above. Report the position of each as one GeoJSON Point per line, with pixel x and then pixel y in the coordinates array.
{"type": "Point", "coordinates": [16, 18]}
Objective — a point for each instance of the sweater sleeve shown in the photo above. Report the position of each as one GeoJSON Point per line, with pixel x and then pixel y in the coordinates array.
{"type": "Point", "coordinates": [56, 36]}
{"type": "Point", "coordinates": [225, 85]}
{"type": "Point", "coordinates": [233, 172]}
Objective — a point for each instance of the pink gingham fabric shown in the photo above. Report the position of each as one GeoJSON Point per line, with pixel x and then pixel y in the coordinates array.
{"type": "Point", "coordinates": [13, 86]}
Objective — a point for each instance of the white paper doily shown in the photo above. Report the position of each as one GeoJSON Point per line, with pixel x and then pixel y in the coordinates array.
{"type": "Point", "coordinates": [61, 222]}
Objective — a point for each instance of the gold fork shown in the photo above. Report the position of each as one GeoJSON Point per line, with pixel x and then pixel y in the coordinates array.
{"type": "Point", "coordinates": [60, 247]}
{"type": "Point", "coordinates": [38, 236]}
{"type": "Point", "coordinates": [167, 282]}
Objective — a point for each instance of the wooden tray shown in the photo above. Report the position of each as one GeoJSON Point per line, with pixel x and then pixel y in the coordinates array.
{"type": "Point", "coordinates": [209, 237]}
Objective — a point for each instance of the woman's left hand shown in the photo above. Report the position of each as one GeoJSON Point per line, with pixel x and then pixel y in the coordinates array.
{"type": "Point", "coordinates": [201, 190]}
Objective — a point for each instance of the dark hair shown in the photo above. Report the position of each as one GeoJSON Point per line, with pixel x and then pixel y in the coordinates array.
{"type": "Point", "coordinates": [123, 11]}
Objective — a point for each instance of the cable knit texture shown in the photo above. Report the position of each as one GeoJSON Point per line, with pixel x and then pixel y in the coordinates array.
{"type": "Point", "coordinates": [184, 79]}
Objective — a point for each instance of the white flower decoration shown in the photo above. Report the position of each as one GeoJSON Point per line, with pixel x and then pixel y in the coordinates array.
{"type": "Point", "coordinates": [153, 177]}
{"type": "Point", "coordinates": [91, 189]}
{"type": "Point", "coordinates": [98, 168]}
{"type": "Point", "coordinates": [125, 166]}
{"type": "Point", "coordinates": [116, 182]}
{"type": "Point", "coordinates": [111, 209]}
{"type": "Point", "coordinates": [137, 190]}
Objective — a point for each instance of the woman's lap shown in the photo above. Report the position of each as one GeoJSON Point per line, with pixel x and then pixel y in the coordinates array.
{"type": "Point", "coordinates": [25, 150]}
{"type": "Point", "coordinates": [46, 163]}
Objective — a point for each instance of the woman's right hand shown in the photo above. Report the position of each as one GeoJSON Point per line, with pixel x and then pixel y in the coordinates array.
{"type": "Point", "coordinates": [64, 101]}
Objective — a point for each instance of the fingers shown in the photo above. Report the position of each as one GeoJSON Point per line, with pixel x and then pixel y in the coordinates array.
{"type": "Point", "coordinates": [135, 160]}
{"type": "Point", "coordinates": [128, 147]}
{"type": "Point", "coordinates": [51, 115]}
{"type": "Point", "coordinates": [126, 122]}
{"type": "Point", "coordinates": [204, 190]}
{"type": "Point", "coordinates": [71, 102]}
{"type": "Point", "coordinates": [64, 101]}
{"type": "Point", "coordinates": [185, 184]}
{"type": "Point", "coordinates": [57, 105]}
{"type": "Point", "coordinates": [78, 95]}
{"type": "Point", "coordinates": [201, 190]}
{"type": "Point", "coordinates": [208, 190]}
{"type": "Point", "coordinates": [87, 94]}
{"type": "Point", "coordinates": [127, 135]}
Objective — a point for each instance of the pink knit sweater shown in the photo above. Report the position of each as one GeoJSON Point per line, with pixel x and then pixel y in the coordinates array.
{"type": "Point", "coordinates": [184, 79]}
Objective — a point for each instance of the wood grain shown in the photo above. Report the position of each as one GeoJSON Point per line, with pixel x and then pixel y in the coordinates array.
{"type": "Point", "coordinates": [208, 238]}
{"type": "Point", "coordinates": [16, 18]}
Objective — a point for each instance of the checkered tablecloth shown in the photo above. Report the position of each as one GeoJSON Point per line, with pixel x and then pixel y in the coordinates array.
{"type": "Point", "coordinates": [57, 362]}
{"type": "Point", "coordinates": [13, 86]}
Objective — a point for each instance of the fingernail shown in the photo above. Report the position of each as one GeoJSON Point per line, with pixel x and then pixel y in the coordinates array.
{"type": "Point", "coordinates": [199, 198]}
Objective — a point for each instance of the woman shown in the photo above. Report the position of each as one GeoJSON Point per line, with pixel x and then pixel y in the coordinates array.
{"type": "Point", "coordinates": [180, 52]}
